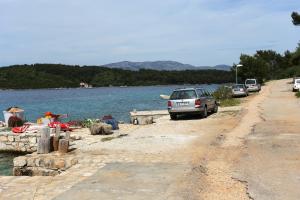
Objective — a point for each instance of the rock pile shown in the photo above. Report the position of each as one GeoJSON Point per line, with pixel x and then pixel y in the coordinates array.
{"type": "Point", "coordinates": [101, 129]}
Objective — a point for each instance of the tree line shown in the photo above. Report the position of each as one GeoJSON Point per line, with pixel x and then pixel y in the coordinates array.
{"type": "Point", "coordinates": [268, 64]}
{"type": "Point", "coordinates": [69, 76]}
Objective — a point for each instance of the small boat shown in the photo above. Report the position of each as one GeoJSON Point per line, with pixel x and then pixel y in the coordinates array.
{"type": "Point", "coordinates": [165, 97]}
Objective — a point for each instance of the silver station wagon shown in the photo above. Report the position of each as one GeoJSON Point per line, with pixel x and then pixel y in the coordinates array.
{"type": "Point", "coordinates": [239, 90]}
{"type": "Point", "coordinates": [191, 101]}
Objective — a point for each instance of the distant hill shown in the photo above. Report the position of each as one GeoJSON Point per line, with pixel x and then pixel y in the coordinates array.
{"type": "Point", "coordinates": [162, 65]}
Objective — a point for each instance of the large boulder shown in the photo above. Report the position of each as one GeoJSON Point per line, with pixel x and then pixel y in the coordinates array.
{"type": "Point", "coordinates": [101, 129]}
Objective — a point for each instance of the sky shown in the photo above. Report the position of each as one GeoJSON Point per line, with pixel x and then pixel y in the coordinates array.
{"type": "Point", "coordinates": [97, 32]}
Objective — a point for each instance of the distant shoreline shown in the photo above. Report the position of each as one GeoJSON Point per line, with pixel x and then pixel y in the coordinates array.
{"type": "Point", "coordinates": [66, 88]}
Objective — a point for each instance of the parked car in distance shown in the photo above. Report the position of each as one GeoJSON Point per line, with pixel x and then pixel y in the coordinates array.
{"type": "Point", "coordinates": [239, 90]}
{"type": "Point", "coordinates": [252, 85]}
{"type": "Point", "coordinates": [191, 101]}
{"type": "Point", "coordinates": [296, 84]}
{"type": "Point", "coordinates": [294, 78]}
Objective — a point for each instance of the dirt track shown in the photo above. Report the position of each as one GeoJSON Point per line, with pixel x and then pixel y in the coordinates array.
{"type": "Point", "coordinates": [248, 153]}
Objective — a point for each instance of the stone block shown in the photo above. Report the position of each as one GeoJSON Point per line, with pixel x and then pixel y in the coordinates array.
{"type": "Point", "coordinates": [33, 149]}
{"type": "Point", "coordinates": [37, 162]}
{"type": "Point", "coordinates": [25, 139]}
{"type": "Point", "coordinates": [9, 147]}
{"type": "Point", "coordinates": [101, 129]}
{"type": "Point", "coordinates": [4, 133]}
{"type": "Point", "coordinates": [107, 129]}
{"type": "Point", "coordinates": [49, 172]}
{"type": "Point", "coordinates": [30, 162]}
{"type": "Point", "coordinates": [59, 164]}
{"type": "Point", "coordinates": [70, 162]}
{"type": "Point", "coordinates": [3, 138]}
{"type": "Point", "coordinates": [2, 146]}
{"type": "Point", "coordinates": [21, 144]}
{"type": "Point", "coordinates": [63, 146]}
{"type": "Point", "coordinates": [11, 138]}
{"type": "Point", "coordinates": [48, 162]}
{"type": "Point", "coordinates": [32, 140]}
{"type": "Point", "coordinates": [20, 161]}
{"type": "Point", "coordinates": [17, 138]}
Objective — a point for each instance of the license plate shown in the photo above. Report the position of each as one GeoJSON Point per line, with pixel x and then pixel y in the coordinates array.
{"type": "Point", "coordinates": [183, 103]}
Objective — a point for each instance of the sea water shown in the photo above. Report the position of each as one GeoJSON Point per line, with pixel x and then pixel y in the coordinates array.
{"type": "Point", "coordinates": [6, 163]}
{"type": "Point", "coordinates": [88, 103]}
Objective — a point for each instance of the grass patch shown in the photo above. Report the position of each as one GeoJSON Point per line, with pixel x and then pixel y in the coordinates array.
{"type": "Point", "coordinates": [111, 138]}
{"type": "Point", "coordinates": [229, 102]}
{"type": "Point", "coordinates": [224, 96]}
{"type": "Point", "coordinates": [297, 94]}
{"type": "Point", "coordinates": [107, 139]}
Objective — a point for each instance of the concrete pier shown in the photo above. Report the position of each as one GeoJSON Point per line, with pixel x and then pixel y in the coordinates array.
{"type": "Point", "coordinates": [146, 117]}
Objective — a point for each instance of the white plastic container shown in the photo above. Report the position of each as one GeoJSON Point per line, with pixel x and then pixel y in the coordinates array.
{"type": "Point", "coordinates": [7, 115]}
{"type": "Point", "coordinates": [46, 121]}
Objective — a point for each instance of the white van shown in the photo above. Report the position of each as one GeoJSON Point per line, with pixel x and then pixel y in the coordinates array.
{"type": "Point", "coordinates": [252, 85]}
{"type": "Point", "coordinates": [296, 84]}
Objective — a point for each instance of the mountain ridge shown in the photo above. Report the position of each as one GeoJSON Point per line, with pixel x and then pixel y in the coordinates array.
{"type": "Point", "coordinates": [163, 65]}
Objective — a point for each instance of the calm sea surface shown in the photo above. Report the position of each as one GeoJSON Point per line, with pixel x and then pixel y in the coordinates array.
{"type": "Point", "coordinates": [83, 103]}
{"type": "Point", "coordinates": [87, 103]}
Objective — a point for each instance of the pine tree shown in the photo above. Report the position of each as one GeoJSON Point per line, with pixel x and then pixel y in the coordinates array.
{"type": "Point", "coordinates": [296, 18]}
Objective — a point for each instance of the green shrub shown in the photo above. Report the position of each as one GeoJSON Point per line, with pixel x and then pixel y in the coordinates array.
{"type": "Point", "coordinates": [224, 96]}
{"type": "Point", "coordinates": [297, 94]}
{"type": "Point", "coordinates": [223, 92]}
{"type": "Point", "coordinates": [87, 123]}
{"type": "Point", "coordinates": [229, 102]}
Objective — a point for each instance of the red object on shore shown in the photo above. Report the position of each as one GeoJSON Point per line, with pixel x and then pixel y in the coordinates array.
{"type": "Point", "coordinates": [50, 114]}
{"type": "Point", "coordinates": [20, 129]}
{"type": "Point", "coordinates": [63, 126]}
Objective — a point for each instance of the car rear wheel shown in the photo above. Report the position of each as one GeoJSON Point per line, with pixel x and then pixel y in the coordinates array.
{"type": "Point", "coordinates": [204, 114]}
{"type": "Point", "coordinates": [215, 110]}
{"type": "Point", "coordinates": [173, 116]}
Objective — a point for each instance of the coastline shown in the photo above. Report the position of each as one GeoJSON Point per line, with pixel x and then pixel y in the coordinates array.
{"type": "Point", "coordinates": [127, 86]}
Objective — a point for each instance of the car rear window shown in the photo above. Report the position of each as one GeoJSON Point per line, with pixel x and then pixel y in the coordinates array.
{"type": "Point", "coordinates": [298, 81]}
{"type": "Point", "coordinates": [250, 82]}
{"type": "Point", "coordinates": [183, 94]}
{"type": "Point", "coordinates": [237, 86]}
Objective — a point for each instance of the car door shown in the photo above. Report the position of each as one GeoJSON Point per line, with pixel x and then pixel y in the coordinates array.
{"type": "Point", "coordinates": [202, 96]}
{"type": "Point", "coordinates": [210, 100]}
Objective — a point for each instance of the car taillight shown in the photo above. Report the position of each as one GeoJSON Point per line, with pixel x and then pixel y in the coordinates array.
{"type": "Point", "coordinates": [197, 103]}
{"type": "Point", "coordinates": [169, 103]}
{"type": "Point", "coordinates": [241, 89]}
